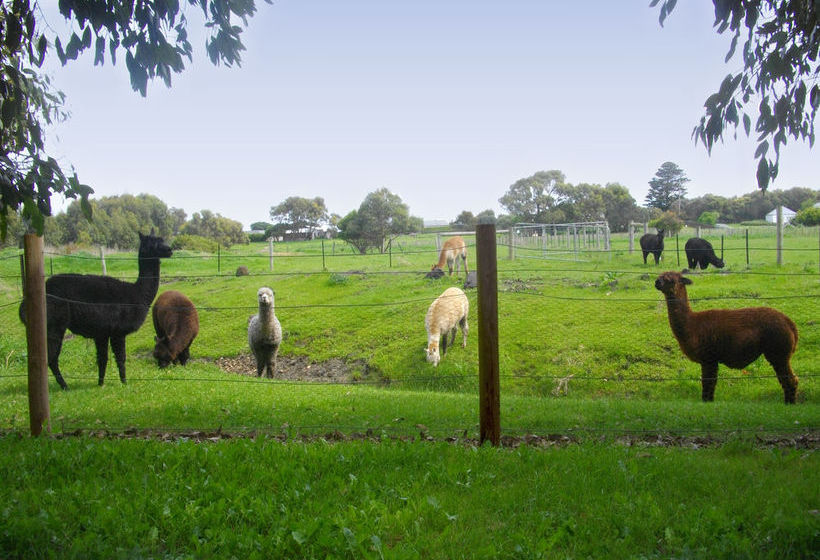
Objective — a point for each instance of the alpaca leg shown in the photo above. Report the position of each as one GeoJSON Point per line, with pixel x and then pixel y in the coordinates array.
{"type": "Point", "coordinates": [708, 380]}
{"type": "Point", "coordinates": [464, 258]}
{"type": "Point", "coordinates": [443, 343]}
{"type": "Point", "coordinates": [118, 346]}
{"type": "Point", "coordinates": [272, 365]}
{"type": "Point", "coordinates": [786, 377]}
{"type": "Point", "coordinates": [260, 365]}
{"type": "Point", "coordinates": [55, 345]}
{"type": "Point", "coordinates": [102, 356]}
{"type": "Point", "coordinates": [645, 254]}
{"type": "Point", "coordinates": [464, 329]}
{"type": "Point", "coordinates": [184, 355]}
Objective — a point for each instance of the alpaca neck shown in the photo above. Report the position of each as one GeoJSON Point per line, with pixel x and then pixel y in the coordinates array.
{"type": "Point", "coordinates": [266, 318]}
{"type": "Point", "coordinates": [679, 313]}
{"type": "Point", "coordinates": [148, 280]}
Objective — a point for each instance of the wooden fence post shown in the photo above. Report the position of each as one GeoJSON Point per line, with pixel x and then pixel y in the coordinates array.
{"type": "Point", "coordinates": [102, 258]}
{"type": "Point", "coordinates": [747, 247]}
{"type": "Point", "coordinates": [779, 235]}
{"type": "Point", "coordinates": [35, 306]}
{"type": "Point", "coordinates": [270, 252]}
{"type": "Point", "coordinates": [631, 236]}
{"type": "Point", "coordinates": [489, 394]}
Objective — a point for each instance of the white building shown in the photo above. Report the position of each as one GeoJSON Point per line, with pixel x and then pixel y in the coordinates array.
{"type": "Point", "coordinates": [788, 214]}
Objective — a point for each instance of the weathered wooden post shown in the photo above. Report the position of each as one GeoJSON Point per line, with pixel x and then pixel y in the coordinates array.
{"type": "Point", "coordinates": [779, 235]}
{"type": "Point", "coordinates": [35, 306]}
{"type": "Point", "coordinates": [631, 236]}
{"type": "Point", "coordinates": [323, 256]}
{"type": "Point", "coordinates": [102, 259]}
{"type": "Point", "coordinates": [270, 253]}
{"type": "Point", "coordinates": [747, 247]}
{"type": "Point", "coordinates": [489, 391]}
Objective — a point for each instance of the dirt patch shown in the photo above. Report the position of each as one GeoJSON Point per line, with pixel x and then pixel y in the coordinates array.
{"type": "Point", "coordinates": [300, 368]}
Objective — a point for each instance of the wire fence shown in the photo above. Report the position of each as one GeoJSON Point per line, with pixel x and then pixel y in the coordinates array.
{"type": "Point", "coordinates": [585, 331]}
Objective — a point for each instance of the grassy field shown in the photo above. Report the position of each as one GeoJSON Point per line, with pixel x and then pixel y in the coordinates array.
{"type": "Point", "coordinates": [624, 460]}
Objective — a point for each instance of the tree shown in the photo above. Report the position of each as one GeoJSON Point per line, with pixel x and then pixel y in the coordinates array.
{"type": "Point", "coordinates": [301, 215]}
{"type": "Point", "coordinates": [669, 222]}
{"type": "Point", "coordinates": [619, 207]}
{"type": "Point", "coordinates": [531, 199]}
{"type": "Point", "coordinates": [153, 36]}
{"type": "Point", "coordinates": [807, 217]}
{"type": "Point", "coordinates": [667, 187]}
{"type": "Point", "coordinates": [223, 230]}
{"type": "Point", "coordinates": [708, 218]}
{"type": "Point", "coordinates": [465, 220]}
{"type": "Point", "coordinates": [780, 70]}
{"type": "Point", "coordinates": [380, 217]}
{"type": "Point", "coordinates": [115, 221]}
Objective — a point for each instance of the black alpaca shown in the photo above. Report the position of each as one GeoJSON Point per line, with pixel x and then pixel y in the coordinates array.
{"type": "Point", "coordinates": [101, 307]}
{"type": "Point", "coordinates": [699, 252]}
{"type": "Point", "coordinates": [651, 243]}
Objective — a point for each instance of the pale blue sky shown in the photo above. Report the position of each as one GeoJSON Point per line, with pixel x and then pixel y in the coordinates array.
{"type": "Point", "coordinates": [446, 103]}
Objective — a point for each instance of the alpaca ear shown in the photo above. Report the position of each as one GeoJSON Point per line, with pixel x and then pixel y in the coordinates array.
{"type": "Point", "coordinates": [685, 281]}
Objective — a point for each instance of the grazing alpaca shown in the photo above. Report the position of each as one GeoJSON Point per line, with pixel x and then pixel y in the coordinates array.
{"type": "Point", "coordinates": [735, 337]}
{"type": "Point", "coordinates": [651, 243]}
{"type": "Point", "coordinates": [699, 252]}
{"type": "Point", "coordinates": [453, 249]}
{"type": "Point", "coordinates": [265, 334]}
{"type": "Point", "coordinates": [101, 307]}
{"type": "Point", "coordinates": [446, 313]}
{"type": "Point", "coordinates": [176, 323]}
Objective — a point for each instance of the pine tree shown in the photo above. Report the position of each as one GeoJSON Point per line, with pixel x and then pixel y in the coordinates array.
{"type": "Point", "coordinates": [667, 187]}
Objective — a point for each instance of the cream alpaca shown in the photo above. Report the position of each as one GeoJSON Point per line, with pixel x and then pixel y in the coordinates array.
{"type": "Point", "coordinates": [453, 249]}
{"type": "Point", "coordinates": [445, 315]}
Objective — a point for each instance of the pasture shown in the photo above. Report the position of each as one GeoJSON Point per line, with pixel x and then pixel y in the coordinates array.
{"type": "Point", "coordinates": [624, 458]}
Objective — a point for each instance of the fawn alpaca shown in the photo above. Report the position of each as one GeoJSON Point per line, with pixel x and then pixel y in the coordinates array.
{"type": "Point", "coordinates": [735, 337]}
{"type": "Point", "coordinates": [452, 250]}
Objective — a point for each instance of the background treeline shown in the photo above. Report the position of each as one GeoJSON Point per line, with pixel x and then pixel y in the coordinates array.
{"type": "Point", "coordinates": [117, 219]}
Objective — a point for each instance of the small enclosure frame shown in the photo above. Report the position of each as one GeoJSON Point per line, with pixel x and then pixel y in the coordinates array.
{"type": "Point", "coordinates": [558, 241]}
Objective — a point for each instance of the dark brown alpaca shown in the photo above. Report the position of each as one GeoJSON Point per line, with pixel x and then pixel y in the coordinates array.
{"type": "Point", "coordinates": [176, 323]}
{"type": "Point", "coordinates": [734, 337]}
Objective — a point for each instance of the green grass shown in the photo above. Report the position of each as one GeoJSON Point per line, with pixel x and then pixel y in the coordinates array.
{"type": "Point", "coordinates": [260, 499]}
{"type": "Point", "coordinates": [712, 490]}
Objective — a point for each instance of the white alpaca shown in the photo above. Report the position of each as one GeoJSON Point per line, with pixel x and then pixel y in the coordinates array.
{"type": "Point", "coordinates": [445, 315]}
{"type": "Point", "coordinates": [265, 334]}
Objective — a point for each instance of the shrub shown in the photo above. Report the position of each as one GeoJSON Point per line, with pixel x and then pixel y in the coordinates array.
{"type": "Point", "coordinates": [807, 217]}
{"type": "Point", "coordinates": [194, 243]}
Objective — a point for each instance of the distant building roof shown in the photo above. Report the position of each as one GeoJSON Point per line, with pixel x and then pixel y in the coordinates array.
{"type": "Point", "coordinates": [788, 214]}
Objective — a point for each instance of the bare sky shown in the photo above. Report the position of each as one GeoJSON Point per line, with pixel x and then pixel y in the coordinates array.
{"type": "Point", "coordinates": [444, 102]}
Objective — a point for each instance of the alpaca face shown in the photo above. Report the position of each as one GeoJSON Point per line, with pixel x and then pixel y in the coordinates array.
{"type": "Point", "coordinates": [162, 354]}
{"type": "Point", "coordinates": [265, 296]}
{"type": "Point", "coordinates": [672, 284]}
{"type": "Point", "coordinates": [433, 355]}
{"type": "Point", "coordinates": [153, 247]}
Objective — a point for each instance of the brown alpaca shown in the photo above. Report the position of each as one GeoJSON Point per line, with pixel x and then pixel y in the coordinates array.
{"type": "Point", "coordinates": [734, 337]}
{"type": "Point", "coordinates": [176, 323]}
{"type": "Point", "coordinates": [453, 249]}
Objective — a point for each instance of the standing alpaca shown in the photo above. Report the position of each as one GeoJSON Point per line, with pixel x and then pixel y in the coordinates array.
{"type": "Point", "coordinates": [453, 249]}
{"type": "Point", "coordinates": [735, 337]}
{"type": "Point", "coordinates": [101, 307]}
{"type": "Point", "coordinates": [176, 323]}
{"type": "Point", "coordinates": [651, 243]}
{"type": "Point", "coordinates": [446, 313]}
{"type": "Point", "coordinates": [699, 252]}
{"type": "Point", "coordinates": [265, 334]}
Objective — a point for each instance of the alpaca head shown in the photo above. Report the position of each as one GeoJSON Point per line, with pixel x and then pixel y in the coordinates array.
{"type": "Point", "coordinates": [672, 284]}
{"type": "Point", "coordinates": [162, 354]}
{"type": "Point", "coordinates": [435, 272]}
{"type": "Point", "coordinates": [265, 297]}
{"type": "Point", "coordinates": [433, 355]}
{"type": "Point", "coordinates": [152, 246]}
{"type": "Point", "coordinates": [660, 234]}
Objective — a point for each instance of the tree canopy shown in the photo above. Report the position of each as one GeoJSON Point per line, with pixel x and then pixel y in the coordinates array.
{"type": "Point", "coordinates": [153, 36]}
{"type": "Point", "coordinates": [667, 186]}
{"type": "Point", "coordinates": [302, 216]}
{"type": "Point", "coordinates": [780, 75]}
{"type": "Point", "coordinates": [380, 217]}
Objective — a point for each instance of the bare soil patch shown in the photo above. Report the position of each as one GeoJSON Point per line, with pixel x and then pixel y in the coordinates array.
{"type": "Point", "coordinates": [300, 368]}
